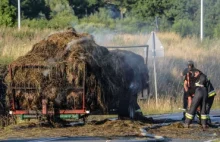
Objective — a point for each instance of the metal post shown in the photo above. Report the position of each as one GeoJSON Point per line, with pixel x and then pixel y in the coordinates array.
{"type": "Point", "coordinates": [19, 15]}
{"type": "Point", "coordinates": [84, 87]}
{"type": "Point", "coordinates": [44, 106]}
{"type": "Point", "coordinates": [155, 72]}
{"type": "Point", "coordinates": [156, 23]}
{"type": "Point", "coordinates": [146, 54]}
{"type": "Point", "coordinates": [201, 20]}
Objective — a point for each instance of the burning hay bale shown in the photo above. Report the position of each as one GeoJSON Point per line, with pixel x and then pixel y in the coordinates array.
{"type": "Point", "coordinates": [65, 61]}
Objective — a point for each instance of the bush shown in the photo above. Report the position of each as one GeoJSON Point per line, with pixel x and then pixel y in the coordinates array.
{"type": "Point", "coordinates": [216, 33]}
{"type": "Point", "coordinates": [164, 24]}
{"type": "Point", "coordinates": [184, 27]}
{"type": "Point", "coordinates": [59, 21]}
{"type": "Point", "coordinates": [7, 14]}
{"type": "Point", "coordinates": [133, 25]}
{"type": "Point", "coordinates": [35, 23]}
{"type": "Point", "coordinates": [62, 20]}
{"type": "Point", "coordinates": [100, 19]}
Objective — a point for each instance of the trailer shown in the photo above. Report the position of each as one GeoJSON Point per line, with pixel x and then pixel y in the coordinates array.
{"type": "Point", "coordinates": [16, 110]}
{"type": "Point", "coordinates": [127, 107]}
{"type": "Point", "coordinates": [67, 75]}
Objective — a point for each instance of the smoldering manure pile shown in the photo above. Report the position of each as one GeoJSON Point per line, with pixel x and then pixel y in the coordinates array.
{"type": "Point", "coordinates": [56, 66]}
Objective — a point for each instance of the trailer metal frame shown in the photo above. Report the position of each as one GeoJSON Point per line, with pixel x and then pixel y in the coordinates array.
{"type": "Point", "coordinates": [28, 114]}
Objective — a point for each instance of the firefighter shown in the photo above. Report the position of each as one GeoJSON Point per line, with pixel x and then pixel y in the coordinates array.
{"type": "Point", "coordinates": [199, 99]}
{"type": "Point", "coordinates": [188, 86]}
{"type": "Point", "coordinates": [211, 95]}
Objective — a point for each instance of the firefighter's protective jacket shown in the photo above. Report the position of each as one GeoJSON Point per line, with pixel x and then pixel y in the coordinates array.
{"type": "Point", "coordinates": [204, 81]}
{"type": "Point", "coordinates": [210, 89]}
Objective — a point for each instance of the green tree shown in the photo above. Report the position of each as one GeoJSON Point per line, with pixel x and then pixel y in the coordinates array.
{"type": "Point", "coordinates": [125, 6]}
{"type": "Point", "coordinates": [7, 13]}
{"type": "Point", "coordinates": [84, 8]}
{"type": "Point", "coordinates": [211, 17]}
{"type": "Point", "coordinates": [57, 6]}
{"type": "Point", "coordinates": [149, 9]}
{"type": "Point", "coordinates": [31, 9]}
{"type": "Point", "coordinates": [180, 11]}
{"type": "Point", "coordinates": [183, 9]}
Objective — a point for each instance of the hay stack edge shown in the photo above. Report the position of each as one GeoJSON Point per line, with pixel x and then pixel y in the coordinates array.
{"type": "Point", "coordinates": [56, 66]}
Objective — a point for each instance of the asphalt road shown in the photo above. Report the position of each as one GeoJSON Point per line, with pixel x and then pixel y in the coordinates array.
{"type": "Point", "coordinates": [166, 118]}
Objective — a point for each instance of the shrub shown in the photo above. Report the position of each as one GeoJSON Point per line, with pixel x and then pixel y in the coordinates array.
{"type": "Point", "coordinates": [99, 19]}
{"type": "Point", "coordinates": [216, 33]}
{"type": "Point", "coordinates": [7, 13]}
{"type": "Point", "coordinates": [35, 23]}
{"type": "Point", "coordinates": [62, 20]}
{"type": "Point", "coordinates": [133, 25]}
{"type": "Point", "coordinates": [59, 21]}
{"type": "Point", "coordinates": [184, 27]}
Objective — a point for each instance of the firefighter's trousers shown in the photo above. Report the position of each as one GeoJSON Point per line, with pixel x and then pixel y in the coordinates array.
{"type": "Point", "coordinates": [198, 100]}
{"type": "Point", "coordinates": [209, 103]}
{"type": "Point", "coordinates": [185, 102]}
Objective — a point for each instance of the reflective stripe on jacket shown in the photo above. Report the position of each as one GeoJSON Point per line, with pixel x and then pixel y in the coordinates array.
{"type": "Point", "coordinates": [210, 89]}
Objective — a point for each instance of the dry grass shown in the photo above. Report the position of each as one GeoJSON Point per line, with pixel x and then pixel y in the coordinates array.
{"type": "Point", "coordinates": [166, 104]}
{"type": "Point", "coordinates": [177, 52]}
{"type": "Point", "coordinates": [14, 43]}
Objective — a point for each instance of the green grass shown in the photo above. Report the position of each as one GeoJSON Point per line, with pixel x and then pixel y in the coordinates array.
{"type": "Point", "coordinates": [6, 60]}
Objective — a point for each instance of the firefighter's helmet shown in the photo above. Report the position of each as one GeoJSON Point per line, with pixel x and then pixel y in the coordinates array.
{"type": "Point", "coordinates": [190, 63]}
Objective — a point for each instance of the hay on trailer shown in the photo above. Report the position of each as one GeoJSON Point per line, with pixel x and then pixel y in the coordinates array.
{"type": "Point", "coordinates": [54, 66]}
{"type": "Point", "coordinates": [62, 59]}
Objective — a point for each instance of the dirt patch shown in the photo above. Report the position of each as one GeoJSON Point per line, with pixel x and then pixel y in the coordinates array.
{"type": "Point", "coordinates": [177, 130]}
{"type": "Point", "coordinates": [104, 128]}
{"type": "Point", "coordinates": [109, 128]}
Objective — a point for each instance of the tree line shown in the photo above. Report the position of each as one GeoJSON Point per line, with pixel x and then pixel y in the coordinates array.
{"type": "Point", "coordinates": [181, 16]}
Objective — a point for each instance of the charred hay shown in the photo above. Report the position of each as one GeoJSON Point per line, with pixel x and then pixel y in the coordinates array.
{"type": "Point", "coordinates": [55, 68]}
